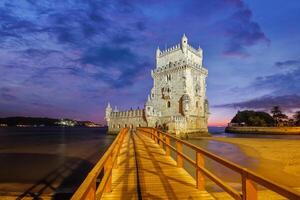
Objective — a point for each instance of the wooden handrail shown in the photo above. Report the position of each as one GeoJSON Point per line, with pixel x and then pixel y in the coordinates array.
{"type": "Point", "coordinates": [249, 178]}
{"type": "Point", "coordinates": [88, 189]}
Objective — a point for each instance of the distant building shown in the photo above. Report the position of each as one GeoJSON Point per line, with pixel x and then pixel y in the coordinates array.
{"type": "Point", "coordinates": [67, 122]}
{"type": "Point", "coordinates": [177, 101]}
{"type": "Point", "coordinates": [91, 124]}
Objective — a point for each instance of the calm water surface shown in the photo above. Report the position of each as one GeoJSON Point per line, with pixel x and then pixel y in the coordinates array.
{"type": "Point", "coordinates": [48, 160]}
{"type": "Point", "coordinates": [220, 132]}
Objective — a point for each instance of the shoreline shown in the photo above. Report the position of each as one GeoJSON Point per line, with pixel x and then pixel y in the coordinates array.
{"type": "Point", "coordinates": [263, 130]}
{"type": "Point", "coordinates": [272, 158]}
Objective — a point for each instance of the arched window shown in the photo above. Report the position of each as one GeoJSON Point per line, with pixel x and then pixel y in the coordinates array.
{"type": "Point", "coordinates": [119, 126]}
{"type": "Point", "coordinates": [125, 125]}
{"type": "Point", "coordinates": [169, 104]}
{"type": "Point", "coordinates": [197, 104]}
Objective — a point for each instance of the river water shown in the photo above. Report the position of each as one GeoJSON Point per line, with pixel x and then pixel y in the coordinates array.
{"type": "Point", "coordinates": [44, 161]}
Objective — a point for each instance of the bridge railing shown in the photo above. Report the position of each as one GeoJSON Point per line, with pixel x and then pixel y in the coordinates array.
{"type": "Point", "coordinates": [249, 179]}
{"type": "Point", "coordinates": [89, 189]}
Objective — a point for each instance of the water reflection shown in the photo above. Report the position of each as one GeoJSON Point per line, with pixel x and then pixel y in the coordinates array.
{"type": "Point", "coordinates": [48, 161]}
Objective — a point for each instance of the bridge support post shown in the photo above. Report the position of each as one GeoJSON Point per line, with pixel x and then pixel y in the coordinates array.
{"type": "Point", "coordinates": [200, 177]}
{"type": "Point", "coordinates": [107, 167]}
{"type": "Point", "coordinates": [179, 157]}
{"type": "Point", "coordinates": [249, 189]}
{"type": "Point", "coordinates": [167, 147]}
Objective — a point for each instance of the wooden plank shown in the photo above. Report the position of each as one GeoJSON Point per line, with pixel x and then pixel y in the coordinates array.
{"type": "Point", "coordinates": [124, 177]}
{"type": "Point", "coordinates": [160, 178]}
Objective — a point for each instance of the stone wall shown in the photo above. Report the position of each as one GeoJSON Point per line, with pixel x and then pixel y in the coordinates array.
{"type": "Point", "coordinates": [263, 130]}
{"type": "Point", "coordinates": [129, 118]}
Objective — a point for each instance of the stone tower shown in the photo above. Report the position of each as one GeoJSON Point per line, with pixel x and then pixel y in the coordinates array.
{"type": "Point", "coordinates": [178, 100]}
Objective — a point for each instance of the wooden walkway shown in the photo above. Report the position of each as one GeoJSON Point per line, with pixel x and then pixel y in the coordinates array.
{"type": "Point", "coordinates": [145, 172]}
{"type": "Point", "coordinates": [136, 166]}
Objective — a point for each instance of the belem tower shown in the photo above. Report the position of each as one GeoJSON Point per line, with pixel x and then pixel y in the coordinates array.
{"type": "Point", "coordinates": [177, 101]}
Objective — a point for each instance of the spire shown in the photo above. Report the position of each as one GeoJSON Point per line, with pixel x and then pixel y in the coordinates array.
{"type": "Point", "coordinates": [108, 105]}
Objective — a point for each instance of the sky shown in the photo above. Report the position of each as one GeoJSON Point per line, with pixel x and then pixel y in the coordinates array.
{"type": "Point", "coordinates": [68, 59]}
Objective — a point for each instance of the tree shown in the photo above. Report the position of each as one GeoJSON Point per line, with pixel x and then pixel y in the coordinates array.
{"type": "Point", "coordinates": [253, 118]}
{"type": "Point", "coordinates": [297, 118]}
{"type": "Point", "coordinates": [278, 116]}
{"type": "Point", "coordinates": [257, 121]}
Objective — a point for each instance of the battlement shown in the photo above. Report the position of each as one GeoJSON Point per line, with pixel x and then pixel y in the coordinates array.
{"type": "Point", "coordinates": [178, 65]}
{"type": "Point", "coordinates": [127, 113]}
{"type": "Point", "coordinates": [178, 53]}
{"type": "Point", "coordinates": [170, 50]}
{"type": "Point", "coordinates": [179, 47]}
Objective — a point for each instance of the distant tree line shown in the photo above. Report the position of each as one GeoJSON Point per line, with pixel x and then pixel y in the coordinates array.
{"type": "Point", "coordinates": [259, 118]}
{"type": "Point", "coordinates": [39, 121]}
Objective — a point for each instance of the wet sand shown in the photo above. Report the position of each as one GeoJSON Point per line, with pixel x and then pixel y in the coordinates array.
{"type": "Point", "coordinates": [276, 159]}
{"type": "Point", "coordinates": [279, 159]}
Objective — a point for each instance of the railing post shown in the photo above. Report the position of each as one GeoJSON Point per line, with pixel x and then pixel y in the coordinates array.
{"type": "Point", "coordinates": [179, 157]}
{"type": "Point", "coordinates": [200, 177]}
{"type": "Point", "coordinates": [91, 194]}
{"type": "Point", "coordinates": [161, 143]}
{"type": "Point", "coordinates": [107, 167]}
{"type": "Point", "coordinates": [249, 188]}
{"type": "Point", "coordinates": [167, 147]}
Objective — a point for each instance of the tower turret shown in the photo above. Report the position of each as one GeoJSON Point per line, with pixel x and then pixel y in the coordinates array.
{"type": "Point", "coordinates": [184, 43]}
{"type": "Point", "coordinates": [108, 111]}
{"type": "Point", "coordinates": [158, 52]}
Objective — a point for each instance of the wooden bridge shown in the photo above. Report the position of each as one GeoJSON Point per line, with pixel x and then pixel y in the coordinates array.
{"type": "Point", "coordinates": [138, 165]}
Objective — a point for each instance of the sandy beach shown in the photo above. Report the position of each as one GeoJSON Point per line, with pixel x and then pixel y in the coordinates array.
{"type": "Point", "coordinates": [278, 160]}
{"type": "Point", "coordinates": [276, 156]}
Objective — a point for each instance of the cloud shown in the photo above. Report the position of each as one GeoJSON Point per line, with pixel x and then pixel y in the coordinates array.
{"type": "Point", "coordinates": [286, 102]}
{"type": "Point", "coordinates": [283, 89]}
{"type": "Point", "coordinates": [279, 83]}
{"type": "Point", "coordinates": [79, 52]}
{"type": "Point", "coordinates": [107, 55]}
{"type": "Point", "coordinates": [7, 94]}
{"type": "Point", "coordinates": [287, 63]}
{"type": "Point", "coordinates": [242, 31]}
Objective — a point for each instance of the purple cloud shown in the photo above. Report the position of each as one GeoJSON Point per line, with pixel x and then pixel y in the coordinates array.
{"type": "Point", "coordinates": [287, 63]}
{"type": "Point", "coordinates": [286, 102]}
{"type": "Point", "coordinates": [242, 32]}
